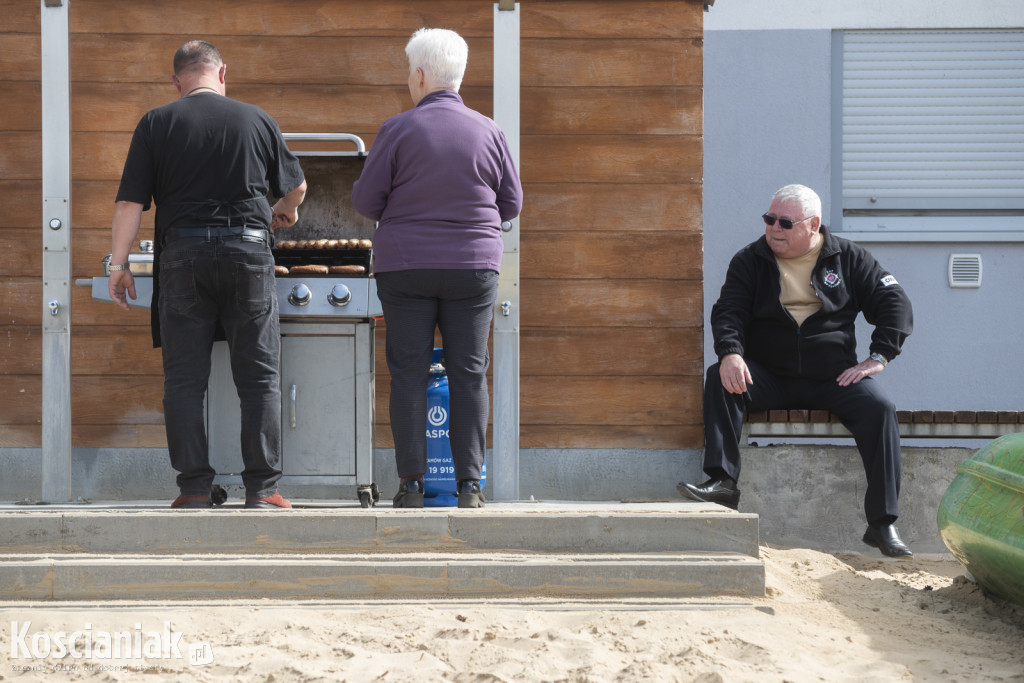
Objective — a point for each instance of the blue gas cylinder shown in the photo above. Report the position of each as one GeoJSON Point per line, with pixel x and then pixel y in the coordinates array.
{"type": "Point", "coordinates": [439, 484]}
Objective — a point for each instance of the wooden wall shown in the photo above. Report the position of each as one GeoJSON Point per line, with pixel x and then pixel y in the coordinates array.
{"type": "Point", "coordinates": [611, 159]}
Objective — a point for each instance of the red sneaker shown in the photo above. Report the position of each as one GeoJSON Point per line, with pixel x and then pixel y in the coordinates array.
{"type": "Point", "coordinates": [184, 501]}
{"type": "Point", "coordinates": [270, 502]}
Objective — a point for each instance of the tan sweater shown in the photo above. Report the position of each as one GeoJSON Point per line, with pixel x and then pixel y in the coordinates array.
{"type": "Point", "coordinates": [797, 293]}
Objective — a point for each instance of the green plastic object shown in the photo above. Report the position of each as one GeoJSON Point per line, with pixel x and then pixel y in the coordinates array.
{"type": "Point", "coordinates": [981, 517]}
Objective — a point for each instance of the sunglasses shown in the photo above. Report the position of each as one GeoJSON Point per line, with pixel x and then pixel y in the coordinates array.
{"type": "Point", "coordinates": [784, 223]}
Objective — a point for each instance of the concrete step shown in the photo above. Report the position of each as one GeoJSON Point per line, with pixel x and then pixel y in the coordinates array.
{"type": "Point", "coordinates": [548, 528]}
{"type": "Point", "coordinates": [380, 576]}
{"type": "Point", "coordinates": [329, 551]}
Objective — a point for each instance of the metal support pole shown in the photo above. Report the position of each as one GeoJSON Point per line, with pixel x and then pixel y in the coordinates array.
{"type": "Point", "coordinates": [504, 469]}
{"type": "Point", "coordinates": [56, 304]}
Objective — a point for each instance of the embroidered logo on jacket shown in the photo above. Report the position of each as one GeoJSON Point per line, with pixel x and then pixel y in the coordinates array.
{"type": "Point", "coordinates": [889, 281]}
{"type": "Point", "coordinates": [832, 278]}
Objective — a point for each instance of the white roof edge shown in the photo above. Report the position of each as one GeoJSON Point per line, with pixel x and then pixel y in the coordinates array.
{"type": "Point", "coordinates": [748, 15]}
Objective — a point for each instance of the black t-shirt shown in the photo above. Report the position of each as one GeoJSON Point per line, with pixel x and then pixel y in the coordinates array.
{"type": "Point", "coordinates": [208, 161]}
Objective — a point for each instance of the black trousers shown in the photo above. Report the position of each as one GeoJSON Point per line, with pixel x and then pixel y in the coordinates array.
{"type": "Point", "coordinates": [460, 304]}
{"type": "Point", "coordinates": [863, 408]}
{"type": "Point", "coordinates": [230, 281]}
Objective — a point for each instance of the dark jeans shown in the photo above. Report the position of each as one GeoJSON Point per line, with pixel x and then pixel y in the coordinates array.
{"type": "Point", "coordinates": [460, 304]}
{"type": "Point", "coordinates": [863, 408]}
{"type": "Point", "coordinates": [229, 281]}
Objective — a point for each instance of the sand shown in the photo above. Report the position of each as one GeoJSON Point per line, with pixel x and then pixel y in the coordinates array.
{"type": "Point", "coordinates": [826, 617]}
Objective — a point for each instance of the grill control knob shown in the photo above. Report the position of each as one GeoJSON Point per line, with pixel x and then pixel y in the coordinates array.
{"type": "Point", "coordinates": [300, 295]}
{"type": "Point", "coordinates": [339, 296]}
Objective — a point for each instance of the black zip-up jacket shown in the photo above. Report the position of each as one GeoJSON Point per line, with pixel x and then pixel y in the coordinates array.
{"type": "Point", "coordinates": [749, 319]}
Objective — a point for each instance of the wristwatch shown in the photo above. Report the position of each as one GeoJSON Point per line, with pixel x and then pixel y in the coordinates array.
{"type": "Point", "coordinates": [880, 358]}
{"type": "Point", "coordinates": [119, 266]}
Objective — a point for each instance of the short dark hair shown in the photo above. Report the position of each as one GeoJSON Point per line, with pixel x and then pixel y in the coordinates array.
{"type": "Point", "coordinates": [195, 53]}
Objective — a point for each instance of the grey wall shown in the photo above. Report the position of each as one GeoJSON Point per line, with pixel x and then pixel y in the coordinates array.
{"type": "Point", "coordinates": [767, 123]}
{"type": "Point", "coordinates": [145, 474]}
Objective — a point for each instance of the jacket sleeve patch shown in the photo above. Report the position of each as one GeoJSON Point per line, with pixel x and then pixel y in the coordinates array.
{"type": "Point", "coordinates": [889, 281]}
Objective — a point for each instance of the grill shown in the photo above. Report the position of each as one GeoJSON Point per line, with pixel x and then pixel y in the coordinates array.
{"type": "Point", "coordinates": [327, 337]}
{"type": "Point", "coordinates": [329, 294]}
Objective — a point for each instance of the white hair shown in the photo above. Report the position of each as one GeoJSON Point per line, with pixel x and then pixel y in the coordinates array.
{"type": "Point", "coordinates": [442, 54]}
{"type": "Point", "coordinates": [808, 198]}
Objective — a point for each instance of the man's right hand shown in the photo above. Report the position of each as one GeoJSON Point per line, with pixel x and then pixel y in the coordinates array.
{"type": "Point", "coordinates": [734, 373]}
{"type": "Point", "coordinates": [121, 283]}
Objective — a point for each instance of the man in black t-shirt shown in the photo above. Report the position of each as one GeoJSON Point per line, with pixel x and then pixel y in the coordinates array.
{"type": "Point", "coordinates": [209, 162]}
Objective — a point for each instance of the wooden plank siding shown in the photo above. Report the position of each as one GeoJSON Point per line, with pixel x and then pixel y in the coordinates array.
{"type": "Point", "coordinates": [20, 222]}
{"type": "Point", "coordinates": [611, 161]}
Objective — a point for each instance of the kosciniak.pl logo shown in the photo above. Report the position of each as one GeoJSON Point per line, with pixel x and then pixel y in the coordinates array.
{"type": "Point", "coordinates": [88, 644]}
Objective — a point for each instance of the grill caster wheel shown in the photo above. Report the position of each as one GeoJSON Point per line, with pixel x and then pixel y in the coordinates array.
{"type": "Point", "coordinates": [368, 495]}
{"type": "Point", "coordinates": [218, 496]}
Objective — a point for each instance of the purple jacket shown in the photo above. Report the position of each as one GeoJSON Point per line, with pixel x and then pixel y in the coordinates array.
{"type": "Point", "coordinates": [439, 180]}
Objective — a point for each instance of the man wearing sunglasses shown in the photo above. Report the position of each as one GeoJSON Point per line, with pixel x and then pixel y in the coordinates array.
{"type": "Point", "coordinates": [783, 328]}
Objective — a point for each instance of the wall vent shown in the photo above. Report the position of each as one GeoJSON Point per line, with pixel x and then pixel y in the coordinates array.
{"type": "Point", "coordinates": [965, 270]}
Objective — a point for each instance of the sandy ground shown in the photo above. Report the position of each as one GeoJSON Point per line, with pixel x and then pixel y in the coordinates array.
{"type": "Point", "coordinates": [826, 617]}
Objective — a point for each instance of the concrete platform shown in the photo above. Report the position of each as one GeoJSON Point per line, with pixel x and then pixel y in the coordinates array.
{"type": "Point", "coordinates": [143, 550]}
{"type": "Point", "coordinates": [805, 495]}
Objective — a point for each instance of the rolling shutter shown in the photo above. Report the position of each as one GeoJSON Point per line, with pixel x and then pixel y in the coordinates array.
{"type": "Point", "coordinates": [933, 121]}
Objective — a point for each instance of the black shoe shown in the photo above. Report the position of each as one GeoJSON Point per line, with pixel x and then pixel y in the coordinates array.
{"type": "Point", "coordinates": [721, 490]}
{"type": "Point", "coordinates": [470, 495]}
{"type": "Point", "coordinates": [410, 495]}
{"type": "Point", "coordinates": [888, 540]}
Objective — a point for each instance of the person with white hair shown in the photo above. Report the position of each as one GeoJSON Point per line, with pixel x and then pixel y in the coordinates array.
{"type": "Point", "coordinates": [784, 335]}
{"type": "Point", "coordinates": [439, 180]}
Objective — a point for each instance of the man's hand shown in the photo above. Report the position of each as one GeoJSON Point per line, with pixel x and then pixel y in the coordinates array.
{"type": "Point", "coordinates": [734, 373]}
{"type": "Point", "coordinates": [286, 211]}
{"type": "Point", "coordinates": [859, 371]}
{"type": "Point", "coordinates": [125, 228]}
{"type": "Point", "coordinates": [121, 281]}
{"type": "Point", "coordinates": [284, 219]}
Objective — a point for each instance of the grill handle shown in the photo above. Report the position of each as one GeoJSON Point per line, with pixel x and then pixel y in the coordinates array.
{"type": "Point", "coordinates": [291, 406]}
{"type": "Point", "coordinates": [330, 137]}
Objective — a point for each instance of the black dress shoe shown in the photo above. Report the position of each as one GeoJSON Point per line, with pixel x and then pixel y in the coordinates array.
{"type": "Point", "coordinates": [887, 539]}
{"type": "Point", "coordinates": [470, 495]}
{"type": "Point", "coordinates": [715, 490]}
{"type": "Point", "coordinates": [410, 495]}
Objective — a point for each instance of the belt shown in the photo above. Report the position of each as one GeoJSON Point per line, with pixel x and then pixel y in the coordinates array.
{"type": "Point", "coordinates": [260, 234]}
